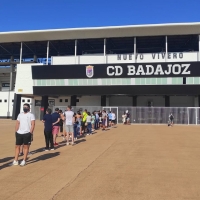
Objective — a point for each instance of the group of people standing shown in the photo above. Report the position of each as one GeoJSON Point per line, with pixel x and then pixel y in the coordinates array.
{"type": "Point", "coordinates": [75, 124]}
{"type": "Point", "coordinates": [126, 118]}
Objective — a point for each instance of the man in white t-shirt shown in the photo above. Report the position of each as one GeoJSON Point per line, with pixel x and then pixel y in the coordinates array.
{"type": "Point", "coordinates": [69, 123]}
{"type": "Point", "coordinates": [24, 128]}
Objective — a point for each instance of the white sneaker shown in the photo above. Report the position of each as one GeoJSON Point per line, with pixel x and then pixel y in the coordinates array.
{"type": "Point", "coordinates": [88, 134]}
{"type": "Point", "coordinates": [23, 163]}
{"type": "Point", "coordinates": [15, 162]}
{"type": "Point", "coordinates": [67, 144]}
{"type": "Point", "coordinates": [52, 149]}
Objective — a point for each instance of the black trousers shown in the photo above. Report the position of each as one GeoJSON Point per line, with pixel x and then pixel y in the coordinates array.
{"type": "Point", "coordinates": [61, 128]}
{"type": "Point", "coordinates": [49, 139]}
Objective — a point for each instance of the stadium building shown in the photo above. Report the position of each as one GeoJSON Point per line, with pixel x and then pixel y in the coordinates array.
{"type": "Point", "coordinates": [130, 66]}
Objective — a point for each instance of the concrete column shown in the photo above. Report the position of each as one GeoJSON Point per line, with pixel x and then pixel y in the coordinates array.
{"type": "Point", "coordinates": [73, 100]}
{"type": "Point", "coordinates": [199, 49]}
{"type": "Point", "coordinates": [134, 101]}
{"type": "Point", "coordinates": [75, 52]}
{"type": "Point", "coordinates": [198, 100]}
{"type": "Point", "coordinates": [44, 106]}
{"type": "Point", "coordinates": [135, 50]}
{"type": "Point", "coordinates": [107, 101]}
{"type": "Point", "coordinates": [103, 100]}
{"type": "Point", "coordinates": [35, 59]}
{"type": "Point", "coordinates": [166, 49]}
{"type": "Point", "coordinates": [167, 101]}
{"type": "Point", "coordinates": [12, 72]}
{"type": "Point", "coordinates": [104, 51]}
{"type": "Point", "coordinates": [16, 106]}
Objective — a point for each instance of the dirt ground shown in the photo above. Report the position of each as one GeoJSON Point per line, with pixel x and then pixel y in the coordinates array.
{"type": "Point", "coordinates": [137, 162]}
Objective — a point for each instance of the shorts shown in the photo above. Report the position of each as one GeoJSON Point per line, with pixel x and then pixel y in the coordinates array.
{"type": "Point", "coordinates": [69, 128]}
{"type": "Point", "coordinates": [55, 130]}
{"type": "Point", "coordinates": [23, 138]}
{"type": "Point", "coordinates": [110, 120]}
{"type": "Point", "coordinates": [83, 124]}
{"type": "Point", "coordinates": [128, 119]}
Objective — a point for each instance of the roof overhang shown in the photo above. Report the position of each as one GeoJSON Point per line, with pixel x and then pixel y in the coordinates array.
{"type": "Point", "coordinates": [101, 32]}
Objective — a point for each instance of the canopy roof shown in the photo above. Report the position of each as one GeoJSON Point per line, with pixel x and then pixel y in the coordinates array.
{"type": "Point", "coordinates": [101, 32]}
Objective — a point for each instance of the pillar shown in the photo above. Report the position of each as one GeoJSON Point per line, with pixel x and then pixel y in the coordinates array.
{"type": "Point", "coordinates": [16, 106]}
{"type": "Point", "coordinates": [198, 100]}
{"type": "Point", "coordinates": [44, 106]}
{"type": "Point", "coordinates": [167, 101]}
{"type": "Point", "coordinates": [134, 101]}
{"type": "Point", "coordinates": [73, 100]}
{"type": "Point", "coordinates": [35, 59]}
{"type": "Point", "coordinates": [103, 100]}
{"type": "Point", "coordinates": [12, 71]}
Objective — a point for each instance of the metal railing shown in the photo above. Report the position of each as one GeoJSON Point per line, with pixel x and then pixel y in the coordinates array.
{"type": "Point", "coordinates": [148, 115]}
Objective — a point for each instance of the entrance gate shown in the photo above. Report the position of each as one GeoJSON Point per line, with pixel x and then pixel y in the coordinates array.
{"type": "Point", "coordinates": [112, 109]}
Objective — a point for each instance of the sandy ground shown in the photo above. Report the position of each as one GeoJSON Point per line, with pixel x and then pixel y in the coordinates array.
{"type": "Point", "coordinates": [137, 162]}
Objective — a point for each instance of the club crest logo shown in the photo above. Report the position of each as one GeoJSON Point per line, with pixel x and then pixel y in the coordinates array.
{"type": "Point", "coordinates": [89, 71]}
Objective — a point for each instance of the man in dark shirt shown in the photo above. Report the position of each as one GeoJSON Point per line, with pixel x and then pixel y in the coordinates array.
{"type": "Point", "coordinates": [47, 119]}
{"type": "Point", "coordinates": [56, 125]}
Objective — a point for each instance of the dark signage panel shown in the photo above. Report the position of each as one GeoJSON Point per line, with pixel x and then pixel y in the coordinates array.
{"type": "Point", "coordinates": [129, 70]}
{"type": "Point", "coordinates": [5, 84]}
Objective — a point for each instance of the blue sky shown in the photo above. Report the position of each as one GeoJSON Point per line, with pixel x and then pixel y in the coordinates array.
{"type": "Point", "coordinates": [50, 14]}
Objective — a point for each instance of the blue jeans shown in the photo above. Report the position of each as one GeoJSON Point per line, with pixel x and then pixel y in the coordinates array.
{"type": "Point", "coordinates": [96, 124]}
{"type": "Point", "coordinates": [75, 130]}
{"type": "Point", "coordinates": [89, 126]}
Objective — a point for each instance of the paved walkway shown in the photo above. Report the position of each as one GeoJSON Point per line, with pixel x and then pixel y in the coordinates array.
{"type": "Point", "coordinates": [128, 162]}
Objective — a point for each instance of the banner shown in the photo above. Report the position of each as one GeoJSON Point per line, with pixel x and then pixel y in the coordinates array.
{"type": "Point", "coordinates": [135, 70]}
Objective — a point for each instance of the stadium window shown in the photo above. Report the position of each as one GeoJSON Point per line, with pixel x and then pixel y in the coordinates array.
{"type": "Point", "coordinates": [5, 100]}
{"type": "Point", "coordinates": [23, 100]}
{"type": "Point", "coordinates": [60, 100]}
{"type": "Point", "coordinates": [28, 100]}
{"type": "Point", "coordinates": [66, 100]}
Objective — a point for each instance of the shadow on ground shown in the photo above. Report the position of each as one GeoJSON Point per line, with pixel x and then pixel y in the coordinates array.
{"type": "Point", "coordinates": [43, 157]}
{"type": "Point", "coordinates": [5, 159]}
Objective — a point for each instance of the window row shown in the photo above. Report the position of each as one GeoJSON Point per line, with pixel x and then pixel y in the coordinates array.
{"type": "Point", "coordinates": [61, 100]}
{"type": "Point", "coordinates": [23, 100]}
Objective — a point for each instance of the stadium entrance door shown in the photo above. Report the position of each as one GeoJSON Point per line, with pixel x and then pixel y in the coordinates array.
{"type": "Point", "coordinates": [112, 109]}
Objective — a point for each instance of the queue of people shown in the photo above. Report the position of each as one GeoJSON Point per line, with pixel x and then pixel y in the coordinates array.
{"type": "Point", "coordinates": [75, 125]}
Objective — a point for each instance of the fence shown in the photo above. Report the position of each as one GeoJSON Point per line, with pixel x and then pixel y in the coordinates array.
{"type": "Point", "coordinates": [149, 115]}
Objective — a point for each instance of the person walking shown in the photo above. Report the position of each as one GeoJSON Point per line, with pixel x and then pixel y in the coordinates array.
{"type": "Point", "coordinates": [171, 120]}
{"type": "Point", "coordinates": [47, 120]}
{"type": "Point", "coordinates": [24, 128]}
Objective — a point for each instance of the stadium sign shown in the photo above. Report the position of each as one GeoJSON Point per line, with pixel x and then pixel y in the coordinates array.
{"type": "Point", "coordinates": [175, 69]}
{"type": "Point", "coordinates": [158, 56]}
{"type": "Point", "coordinates": [130, 70]}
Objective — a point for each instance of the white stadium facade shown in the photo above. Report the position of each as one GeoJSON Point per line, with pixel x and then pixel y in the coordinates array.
{"type": "Point", "coordinates": [140, 66]}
